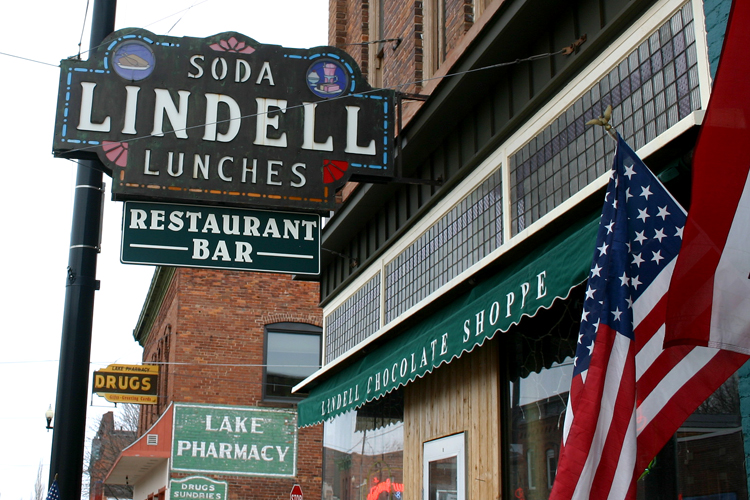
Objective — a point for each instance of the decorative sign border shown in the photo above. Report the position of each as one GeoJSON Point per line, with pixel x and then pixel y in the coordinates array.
{"type": "Point", "coordinates": [224, 120]}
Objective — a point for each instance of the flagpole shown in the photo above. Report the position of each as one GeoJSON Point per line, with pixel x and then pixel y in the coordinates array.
{"type": "Point", "coordinates": [69, 434]}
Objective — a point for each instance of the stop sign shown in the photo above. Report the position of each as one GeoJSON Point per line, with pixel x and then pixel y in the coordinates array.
{"type": "Point", "coordinates": [296, 493]}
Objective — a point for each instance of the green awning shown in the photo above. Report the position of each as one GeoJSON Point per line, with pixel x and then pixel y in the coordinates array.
{"type": "Point", "coordinates": [495, 305]}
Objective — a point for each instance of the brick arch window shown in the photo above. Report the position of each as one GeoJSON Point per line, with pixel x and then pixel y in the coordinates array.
{"type": "Point", "coordinates": [153, 410]}
{"type": "Point", "coordinates": [164, 368]}
{"type": "Point", "coordinates": [292, 352]}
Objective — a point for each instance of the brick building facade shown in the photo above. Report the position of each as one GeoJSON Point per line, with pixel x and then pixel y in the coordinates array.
{"type": "Point", "coordinates": [208, 331]}
{"type": "Point", "coordinates": [106, 446]}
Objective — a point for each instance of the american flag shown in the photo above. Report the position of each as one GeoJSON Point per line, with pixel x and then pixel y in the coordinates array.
{"type": "Point", "coordinates": [710, 301]}
{"type": "Point", "coordinates": [54, 491]}
{"type": "Point", "coordinates": [628, 395]}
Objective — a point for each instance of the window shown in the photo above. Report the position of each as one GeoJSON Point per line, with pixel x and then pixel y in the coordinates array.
{"type": "Point", "coordinates": [363, 452]}
{"type": "Point", "coordinates": [292, 354]}
{"type": "Point", "coordinates": [434, 26]}
{"type": "Point", "coordinates": [551, 466]}
{"type": "Point", "coordinates": [531, 469]}
{"type": "Point", "coordinates": [704, 459]}
{"type": "Point", "coordinates": [377, 50]}
{"type": "Point", "coordinates": [479, 7]}
{"type": "Point", "coordinates": [444, 469]}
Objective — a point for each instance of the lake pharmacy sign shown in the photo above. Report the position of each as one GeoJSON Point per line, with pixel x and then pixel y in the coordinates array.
{"type": "Point", "coordinates": [223, 120]}
{"type": "Point", "coordinates": [234, 440]}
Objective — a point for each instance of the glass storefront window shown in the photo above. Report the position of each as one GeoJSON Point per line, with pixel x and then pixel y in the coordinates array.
{"type": "Point", "coordinates": [363, 453]}
{"type": "Point", "coordinates": [704, 460]}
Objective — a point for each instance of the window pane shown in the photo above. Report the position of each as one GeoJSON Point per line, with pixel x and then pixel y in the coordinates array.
{"type": "Point", "coordinates": [290, 358]}
{"type": "Point", "coordinates": [363, 457]}
{"type": "Point", "coordinates": [444, 479]}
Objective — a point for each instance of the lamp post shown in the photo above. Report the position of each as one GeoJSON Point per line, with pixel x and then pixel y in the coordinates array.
{"type": "Point", "coordinates": [69, 434]}
{"type": "Point", "coordinates": [49, 414]}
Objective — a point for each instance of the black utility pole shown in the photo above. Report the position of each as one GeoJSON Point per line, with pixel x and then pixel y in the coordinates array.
{"type": "Point", "coordinates": [69, 436]}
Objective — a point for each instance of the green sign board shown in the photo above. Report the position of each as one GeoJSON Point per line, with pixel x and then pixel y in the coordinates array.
{"type": "Point", "coordinates": [220, 238]}
{"type": "Point", "coordinates": [198, 488]}
{"type": "Point", "coordinates": [234, 440]}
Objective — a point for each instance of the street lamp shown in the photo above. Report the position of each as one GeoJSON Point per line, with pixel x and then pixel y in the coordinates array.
{"type": "Point", "coordinates": [48, 415]}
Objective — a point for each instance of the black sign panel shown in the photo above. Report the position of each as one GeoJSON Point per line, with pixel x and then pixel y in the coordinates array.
{"type": "Point", "coordinates": [127, 383]}
{"type": "Point", "coordinates": [224, 120]}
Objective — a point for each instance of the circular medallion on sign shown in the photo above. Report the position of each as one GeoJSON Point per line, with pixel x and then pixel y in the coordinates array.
{"type": "Point", "coordinates": [133, 60]}
{"type": "Point", "coordinates": [326, 78]}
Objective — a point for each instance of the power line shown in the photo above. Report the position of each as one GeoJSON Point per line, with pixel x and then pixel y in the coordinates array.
{"type": "Point", "coordinates": [30, 60]}
{"type": "Point", "coordinates": [83, 27]}
{"type": "Point", "coordinates": [135, 30]}
{"type": "Point", "coordinates": [80, 53]}
{"type": "Point", "coordinates": [173, 363]}
{"type": "Point", "coordinates": [395, 88]}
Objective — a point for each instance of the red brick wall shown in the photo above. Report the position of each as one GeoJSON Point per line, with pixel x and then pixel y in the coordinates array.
{"type": "Point", "coordinates": [337, 23]}
{"type": "Point", "coordinates": [349, 22]}
{"type": "Point", "coordinates": [458, 20]}
{"type": "Point", "coordinates": [216, 320]}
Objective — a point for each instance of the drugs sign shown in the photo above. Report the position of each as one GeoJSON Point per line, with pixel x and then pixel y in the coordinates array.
{"type": "Point", "coordinates": [224, 120]}
{"type": "Point", "coordinates": [127, 383]}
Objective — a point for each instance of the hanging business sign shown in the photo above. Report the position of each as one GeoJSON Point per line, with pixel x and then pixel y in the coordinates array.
{"type": "Point", "coordinates": [224, 120]}
{"type": "Point", "coordinates": [234, 440]}
{"type": "Point", "coordinates": [220, 238]}
{"type": "Point", "coordinates": [127, 383]}
{"type": "Point", "coordinates": [198, 488]}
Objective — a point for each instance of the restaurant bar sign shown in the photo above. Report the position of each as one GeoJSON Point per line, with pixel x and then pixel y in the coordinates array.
{"type": "Point", "coordinates": [223, 119]}
{"type": "Point", "coordinates": [234, 440]}
{"type": "Point", "coordinates": [220, 238]}
{"type": "Point", "coordinates": [127, 383]}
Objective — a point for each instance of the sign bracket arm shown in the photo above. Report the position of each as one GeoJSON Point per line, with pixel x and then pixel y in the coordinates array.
{"type": "Point", "coordinates": [399, 178]}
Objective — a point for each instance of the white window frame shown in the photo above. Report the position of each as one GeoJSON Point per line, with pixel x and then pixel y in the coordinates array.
{"type": "Point", "coordinates": [442, 448]}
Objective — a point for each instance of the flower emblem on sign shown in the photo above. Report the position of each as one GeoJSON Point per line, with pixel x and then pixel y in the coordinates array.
{"type": "Point", "coordinates": [232, 45]}
{"type": "Point", "coordinates": [117, 152]}
{"type": "Point", "coordinates": [333, 170]}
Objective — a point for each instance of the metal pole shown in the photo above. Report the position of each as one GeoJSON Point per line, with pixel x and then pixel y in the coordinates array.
{"type": "Point", "coordinates": [69, 435]}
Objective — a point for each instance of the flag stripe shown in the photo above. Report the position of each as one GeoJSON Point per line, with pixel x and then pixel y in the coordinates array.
{"type": "Point", "coordinates": [651, 324]}
{"type": "Point", "coordinates": [624, 476]}
{"type": "Point", "coordinates": [716, 229]}
{"type": "Point", "coordinates": [622, 415]}
{"type": "Point", "coordinates": [606, 404]}
{"type": "Point", "coordinates": [650, 352]}
{"type": "Point", "coordinates": [584, 402]}
{"type": "Point", "coordinates": [730, 308]}
{"type": "Point", "coordinates": [670, 383]}
{"type": "Point", "coordinates": [663, 367]}
{"type": "Point", "coordinates": [684, 401]}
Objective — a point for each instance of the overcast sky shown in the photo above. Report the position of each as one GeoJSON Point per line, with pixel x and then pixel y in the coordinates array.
{"type": "Point", "coordinates": [37, 195]}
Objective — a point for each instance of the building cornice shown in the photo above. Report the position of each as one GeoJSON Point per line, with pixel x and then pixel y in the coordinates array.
{"type": "Point", "coordinates": [157, 291]}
